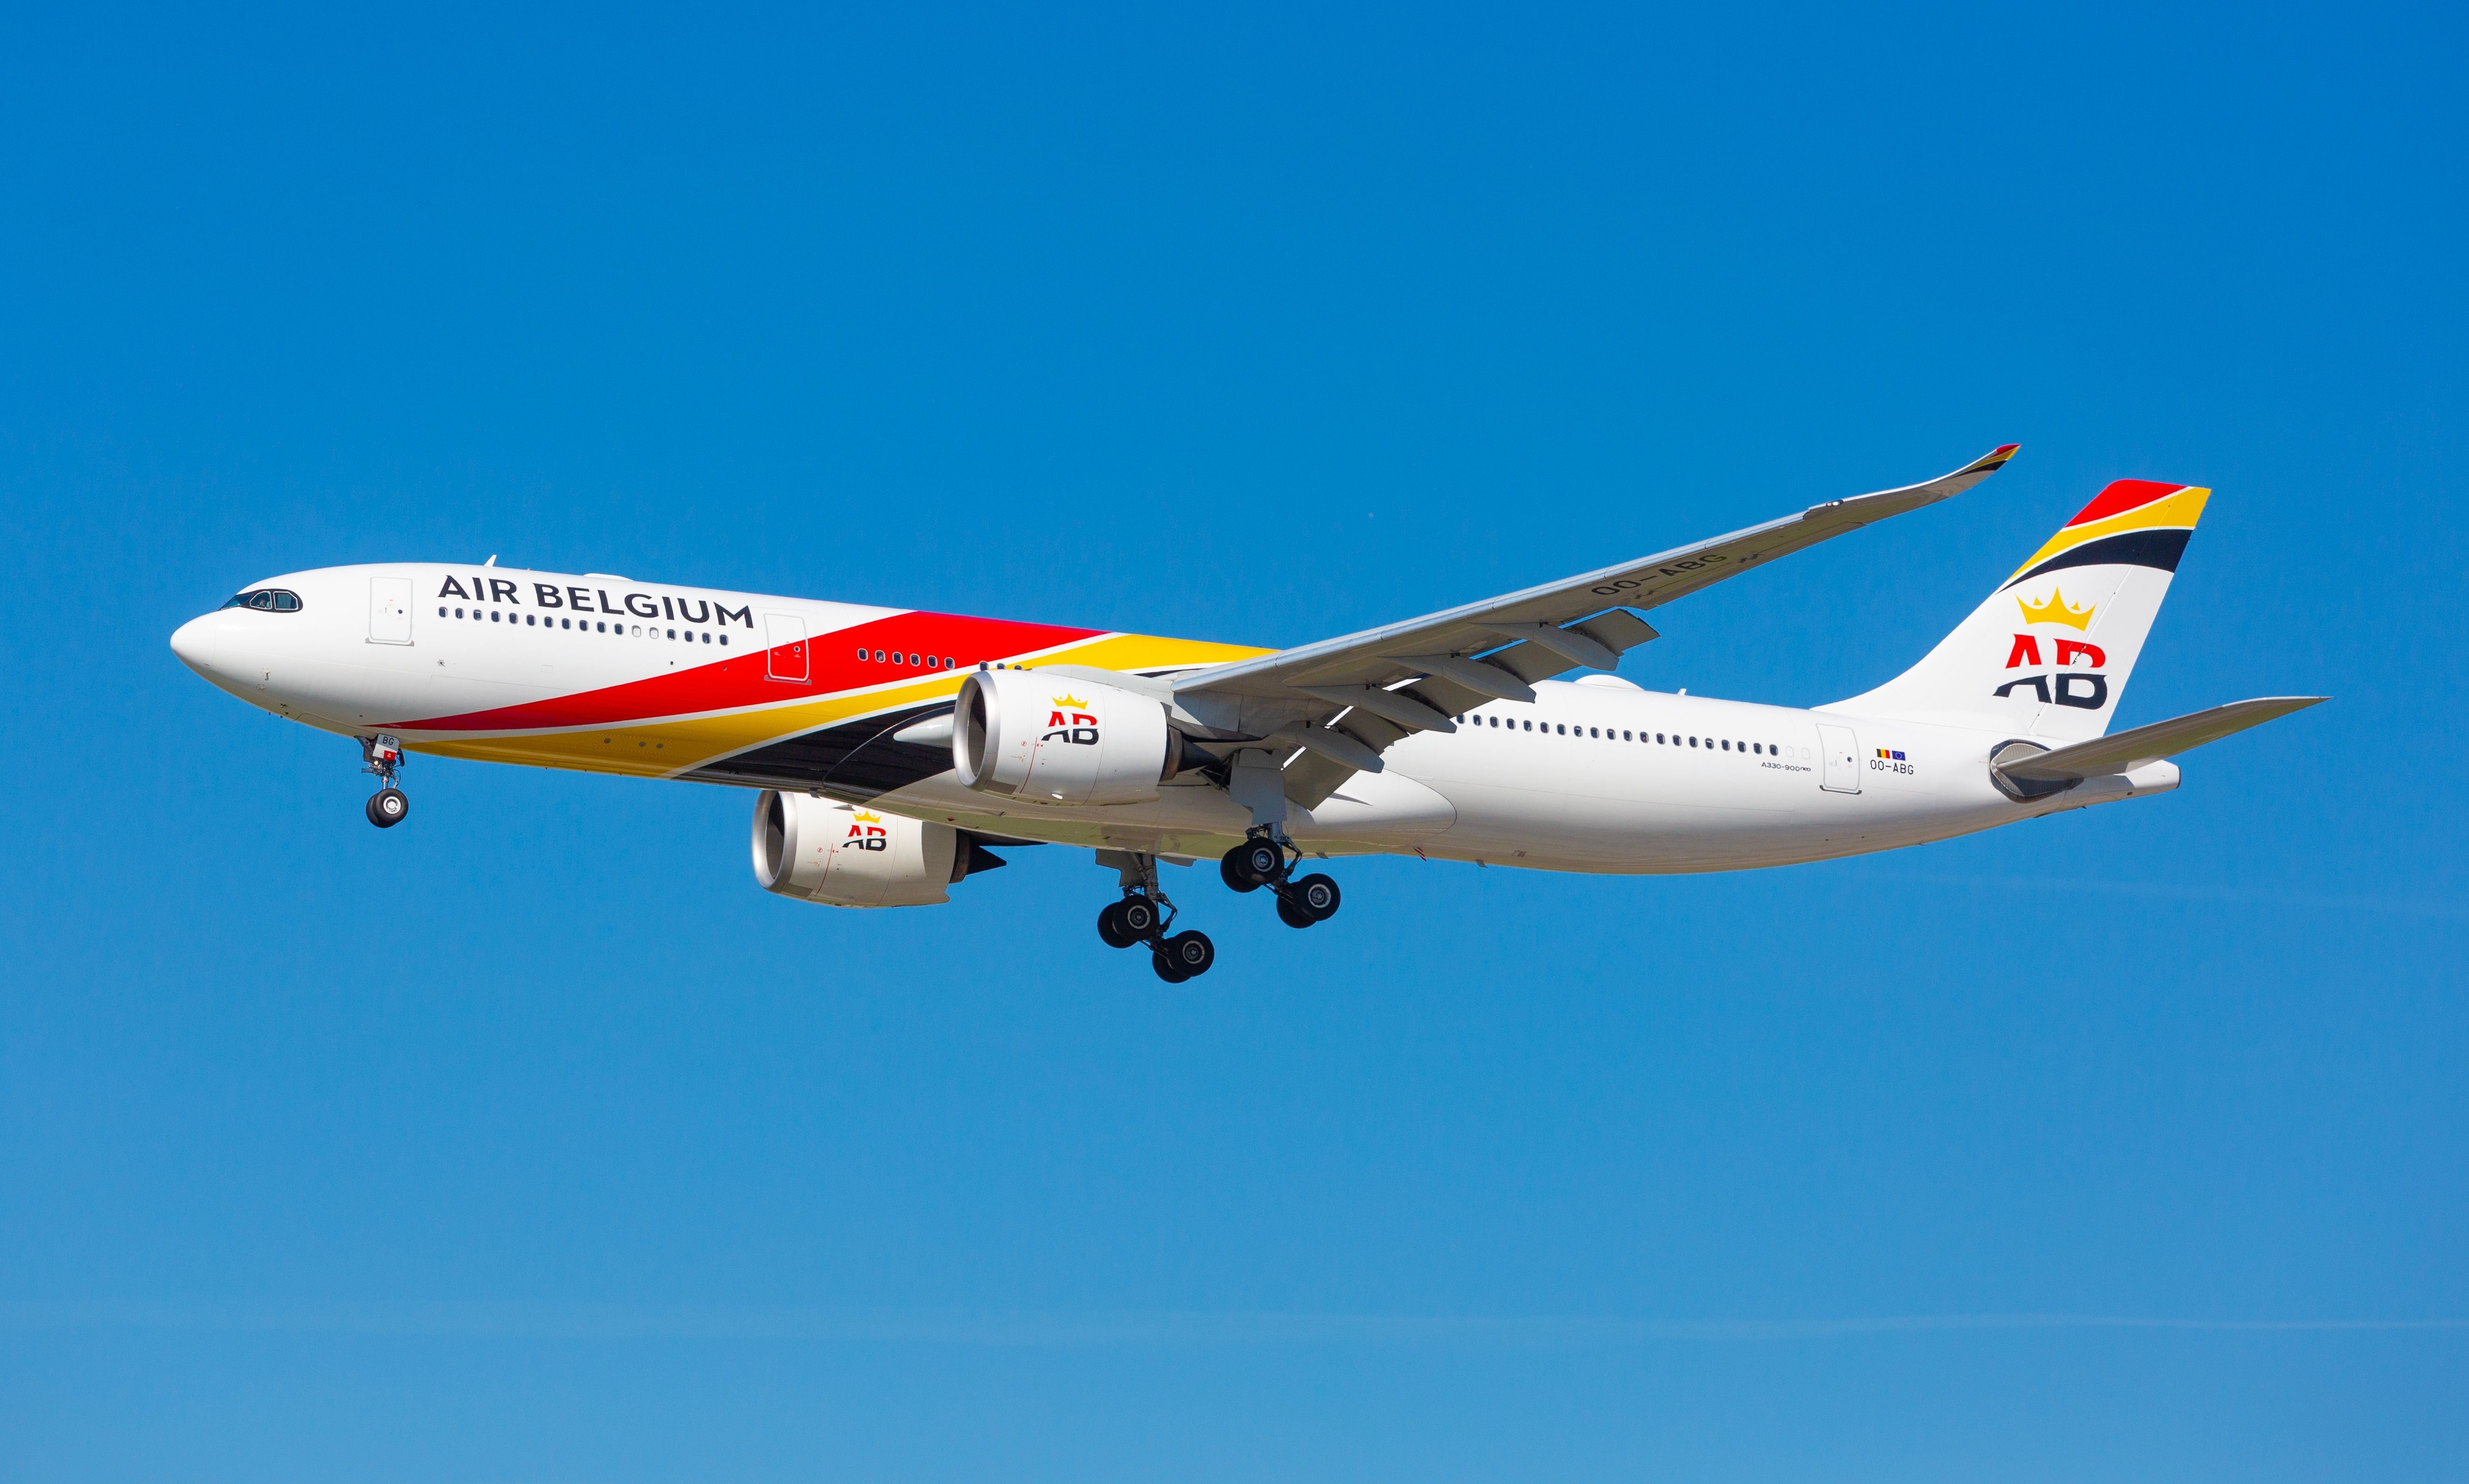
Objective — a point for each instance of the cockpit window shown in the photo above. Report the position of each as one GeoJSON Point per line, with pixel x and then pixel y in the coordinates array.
{"type": "Point", "coordinates": [269, 600]}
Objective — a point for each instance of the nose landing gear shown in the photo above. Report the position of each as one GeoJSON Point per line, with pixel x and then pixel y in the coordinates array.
{"type": "Point", "coordinates": [1143, 915]}
{"type": "Point", "coordinates": [382, 755]}
{"type": "Point", "coordinates": [1263, 859]}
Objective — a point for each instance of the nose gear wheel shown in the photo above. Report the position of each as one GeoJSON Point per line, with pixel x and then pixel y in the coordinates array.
{"type": "Point", "coordinates": [381, 755]}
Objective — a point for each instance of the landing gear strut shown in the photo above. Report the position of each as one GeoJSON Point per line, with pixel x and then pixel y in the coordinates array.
{"type": "Point", "coordinates": [382, 755]}
{"type": "Point", "coordinates": [1143, 915]}
{"type": "Point", "coordinates": [1266, 858]}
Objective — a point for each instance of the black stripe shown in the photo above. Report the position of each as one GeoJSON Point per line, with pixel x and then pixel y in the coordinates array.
{"type": "Point", "coordinates": [856, 759]}
{"type": "Point", "coordinates": [2159, 548]}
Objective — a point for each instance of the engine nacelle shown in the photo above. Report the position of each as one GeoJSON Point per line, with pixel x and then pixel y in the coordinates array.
{"type": "Point", "coordinates": [1044, 739]}
{"type": "Point", "coordinates": [820, 851]}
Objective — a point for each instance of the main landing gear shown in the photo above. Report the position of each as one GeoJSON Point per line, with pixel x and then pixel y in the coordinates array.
{"type": "Point", "coordinates": [1265, 859]}
{"type": "Point", "coordinates": [1143, 915]}
{"type": "Point", "coordinates": [382, 755]}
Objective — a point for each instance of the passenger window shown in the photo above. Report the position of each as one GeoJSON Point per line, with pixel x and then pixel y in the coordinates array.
{"type": "Point", "coordinates": [878, 657]}
{"type": "Point", "coordinates": [496, 615]}
{"type": "Point", "coordinates": [724, 641]}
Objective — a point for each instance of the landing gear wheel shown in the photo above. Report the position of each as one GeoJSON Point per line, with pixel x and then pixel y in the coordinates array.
{"type": "Point", "coordinates": [388, 807]}
{"type": "Point", "coordinates": [1110, 927]}
{"type": "Point", "coordinates": [1316, 895]}
{"type": "Point", "coordinates": [1294, 913]}
{"type": "Point", "coordinates": [1256, 861]}
{"type": "Point", "coordinates": [1235, 879]}
{"type": "Point", "coordinates": [1166, 968]}
{"type": "Point", "coordinates": [1188, 954]}
{"type": "Point", "coordinates": [1137, 917]}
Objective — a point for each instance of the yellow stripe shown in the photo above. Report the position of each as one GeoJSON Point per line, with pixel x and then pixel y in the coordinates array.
{"type": "Point", "coordinates": [2181, 509]}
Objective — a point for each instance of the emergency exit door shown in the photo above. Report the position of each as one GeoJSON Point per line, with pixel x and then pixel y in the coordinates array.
{"type": "Point", "coordinates": [1842, 752]}
{"type": "Point", "coordinates": [389, 609]}
{"type": "Point", "coordinates": [784, 654]}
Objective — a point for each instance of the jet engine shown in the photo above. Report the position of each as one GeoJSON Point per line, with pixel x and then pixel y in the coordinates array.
{"type": "Point", "coordinates": [1046, 739]}
{"type": "Point", "coordinates": [819, 852]}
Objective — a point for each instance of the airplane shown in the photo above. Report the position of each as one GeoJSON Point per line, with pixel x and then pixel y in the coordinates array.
{"type": "Point", "coordinates": [888, 749]}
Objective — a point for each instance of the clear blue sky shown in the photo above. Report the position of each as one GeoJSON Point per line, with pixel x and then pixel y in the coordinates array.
{"type": "Point", "coordinates": [531, 1141]}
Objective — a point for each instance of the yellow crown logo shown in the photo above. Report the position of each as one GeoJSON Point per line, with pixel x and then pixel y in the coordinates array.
{"type": "Point", "coordinates": [1073, 702]}
{"type": "Point", "coordinates": [864, 818]}
{"type": "Point", "coordinates": [2057, 611]}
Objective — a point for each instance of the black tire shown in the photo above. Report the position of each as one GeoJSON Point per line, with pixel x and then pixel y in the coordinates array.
{"type": "Point", "coordinates": [1294, 913]}
{"type": "Point", "coordinates": [1256, 861]}
{"type": "Point", "coordinates": [1110, 927]}
{"type": "Point", "coordinates": [1316, 895]}
{"type": "Point", "coordinates": [1137, 917]}
{"type": "Point", "coordinates": [388, 809]}
{"type": "Point", "coordinates": [1191, 953]}
{"type": "Point", "coordinates": [1235, 880]}
{"type": "Point", "coordinates": [1166, 969]}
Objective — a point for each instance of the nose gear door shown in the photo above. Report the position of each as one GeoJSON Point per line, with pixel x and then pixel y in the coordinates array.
{"type": "Point", "coordinates": [389, 609]}
{"type": "Point", "coordinates": [1842, 752]}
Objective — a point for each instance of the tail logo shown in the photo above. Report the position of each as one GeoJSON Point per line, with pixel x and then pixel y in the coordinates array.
{"type": "Point", "coordinates": [2058, 611]}
{"type": "Point", "coordinates": [2077, 662]}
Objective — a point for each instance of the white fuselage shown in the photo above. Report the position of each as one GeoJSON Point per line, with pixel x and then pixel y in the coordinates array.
{"type": "Point", "coordinates": [1592, 775]}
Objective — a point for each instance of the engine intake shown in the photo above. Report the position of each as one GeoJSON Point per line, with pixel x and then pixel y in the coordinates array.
{"type": "Point", "coordinates": [820, 851]}
{"type": "Point", "coordinates": [1044, 739]}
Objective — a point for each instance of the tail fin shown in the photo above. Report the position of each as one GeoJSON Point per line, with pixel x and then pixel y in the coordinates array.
{"type": "Point", "coordinates": [2049, 654]}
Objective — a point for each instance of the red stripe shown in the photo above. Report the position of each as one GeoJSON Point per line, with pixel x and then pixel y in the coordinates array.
{"type": "Point", "coordinates": [741, 679]}
{"type": "Point", "coordinates": [2123, 495]}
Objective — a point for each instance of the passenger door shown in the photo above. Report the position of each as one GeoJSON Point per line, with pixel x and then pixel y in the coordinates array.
{"type": "Point", "coordinates": [1842, 752]}
{"type": "Point", "coordinates": [389, 609]}
{"type": "Point", "coordinates": [784, 656]}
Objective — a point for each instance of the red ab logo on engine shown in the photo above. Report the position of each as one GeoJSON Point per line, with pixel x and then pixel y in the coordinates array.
{"type": "Point", "coordinates": [866, 833]}
{"type": "Point", "coordinates": [1071, 722]}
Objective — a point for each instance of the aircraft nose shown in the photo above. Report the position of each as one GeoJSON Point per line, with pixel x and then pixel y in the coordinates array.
{"type": "Point", "coordinates": [196, 644]}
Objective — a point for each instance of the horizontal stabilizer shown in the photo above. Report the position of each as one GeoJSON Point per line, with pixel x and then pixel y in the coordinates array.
{"type": "Point", "coordinates": [2125, 752]}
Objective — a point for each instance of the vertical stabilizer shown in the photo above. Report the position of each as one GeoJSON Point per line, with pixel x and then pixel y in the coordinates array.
{"type": "Point", "coordinates": [2049, 653]}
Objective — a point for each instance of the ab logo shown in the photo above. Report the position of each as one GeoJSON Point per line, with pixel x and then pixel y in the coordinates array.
{"type": "Point", "coordinates": [1071, 722]}
{"type": "Point", "coordinates": [2089, 693]}
{"type": "Point", "coordinates": [866, 833]}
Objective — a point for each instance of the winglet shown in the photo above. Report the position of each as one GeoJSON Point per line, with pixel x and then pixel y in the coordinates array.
{"type": "Point", "coordinates": [1993, 460]}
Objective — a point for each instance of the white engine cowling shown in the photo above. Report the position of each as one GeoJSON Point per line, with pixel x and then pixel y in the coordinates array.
{"type": "Point", "coordinates": [820, 851]}
{"type": "Point", "coordinates": [1046, 739]}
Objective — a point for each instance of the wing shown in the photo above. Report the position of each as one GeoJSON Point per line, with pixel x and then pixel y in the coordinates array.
{"type": "Point", "coordinates": [1343, 701]}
